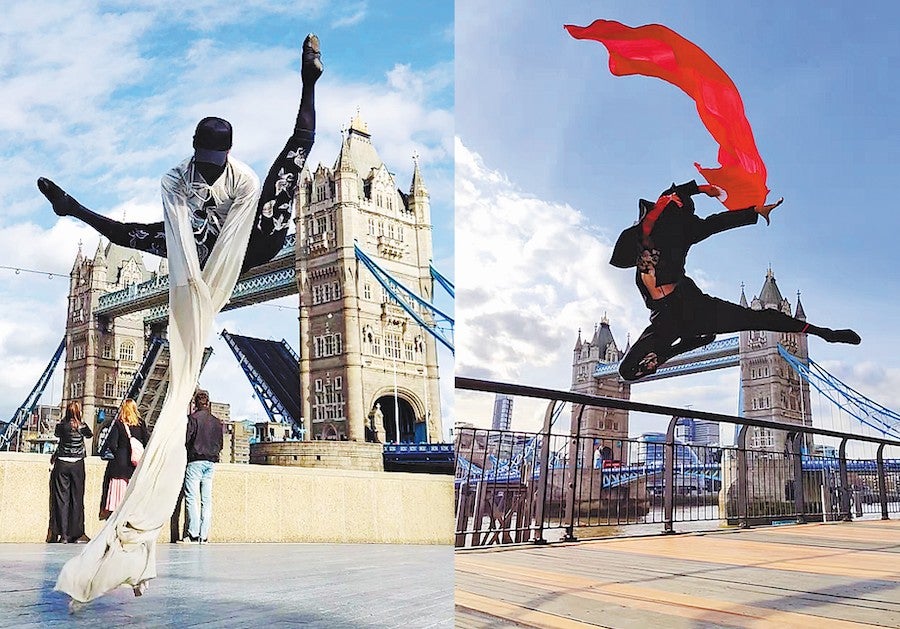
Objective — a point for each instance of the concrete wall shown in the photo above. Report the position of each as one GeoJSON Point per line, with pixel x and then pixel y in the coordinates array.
{"type": "Point", "coordinates": [259, 503]}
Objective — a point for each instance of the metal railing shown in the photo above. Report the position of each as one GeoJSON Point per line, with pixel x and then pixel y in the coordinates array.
{"type": "Point", "coordinates": [558, 485]}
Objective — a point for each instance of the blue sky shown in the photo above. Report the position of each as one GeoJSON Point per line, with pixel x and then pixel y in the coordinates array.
{"type": "Point", "coordinates": [553, 152]}
{"type": "Point", "coordinates": [103, 98]}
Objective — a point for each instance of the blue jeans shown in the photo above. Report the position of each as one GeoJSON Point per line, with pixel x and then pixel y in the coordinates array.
{"type": "Point", "coordinates": [198, 497]}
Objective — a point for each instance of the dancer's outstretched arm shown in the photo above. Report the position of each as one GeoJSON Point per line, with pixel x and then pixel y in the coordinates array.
{"type": "Point", "coordinates": [149, 237]}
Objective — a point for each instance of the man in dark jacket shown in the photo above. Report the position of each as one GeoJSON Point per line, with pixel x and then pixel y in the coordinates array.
{"type": "Point", "coordinates": [682, 317]}
{"type": "Point", "coordinates": [204, 443]}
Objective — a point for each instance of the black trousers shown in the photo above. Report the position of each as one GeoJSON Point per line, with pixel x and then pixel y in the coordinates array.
{"type": "Point", "coordinates": [67, 498]}
{"type": "Point", "coordinates": [687, 319]}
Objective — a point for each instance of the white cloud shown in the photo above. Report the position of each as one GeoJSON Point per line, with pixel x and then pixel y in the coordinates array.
{"type": "Point", "coordinates": [531, 272]}
{"type": "Point", "coordinates": [351, 15]}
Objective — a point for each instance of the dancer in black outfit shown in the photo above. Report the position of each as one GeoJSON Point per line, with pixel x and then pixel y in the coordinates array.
{"type": "Point", "coordinates": [212, 141]}
{"type": "Point", "coordinates": [682, 317]}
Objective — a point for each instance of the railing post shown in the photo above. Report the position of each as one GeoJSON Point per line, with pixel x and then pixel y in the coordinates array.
{"type": "Point", "coordinates": [742, 478]}
{"type": "Point", "coordinates": [544, 473]}
{"type": "Point", "coordinates": [572, 470]}
{"type": "Point", "coordinates": [845, 484]}
{"type": "Point", "coordinates": [669, 478]}
{"type": "Point", "coordinates": [799, 494]}
{"type": "Point", "coordinates": [882, 482]}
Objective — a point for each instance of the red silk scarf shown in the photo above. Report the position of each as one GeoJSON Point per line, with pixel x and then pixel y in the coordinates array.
{"type": "Point", "coordinates": [657, 51]}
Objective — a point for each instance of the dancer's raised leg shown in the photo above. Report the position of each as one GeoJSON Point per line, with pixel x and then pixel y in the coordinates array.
{"type": "Point", "coordinates": [277, 195]}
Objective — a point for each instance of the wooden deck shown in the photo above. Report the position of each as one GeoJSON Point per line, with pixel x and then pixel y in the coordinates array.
{"type": "Point", "coordinates": [812, 575]}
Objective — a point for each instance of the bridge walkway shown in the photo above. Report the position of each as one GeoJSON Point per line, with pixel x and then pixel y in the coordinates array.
{"type": "Point", "coordinates": [815, 575]}
{"type": "Point", "coordinates": [244, 585]}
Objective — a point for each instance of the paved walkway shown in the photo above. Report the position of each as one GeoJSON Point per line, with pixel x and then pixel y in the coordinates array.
{"type": "Point", "coordinates": [812, 575]}
{"type": "Point", "coordinates": [244, 585]}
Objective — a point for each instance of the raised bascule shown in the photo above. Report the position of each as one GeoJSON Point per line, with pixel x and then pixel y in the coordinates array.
{"type": "Point", "coordinates": [360, 263]}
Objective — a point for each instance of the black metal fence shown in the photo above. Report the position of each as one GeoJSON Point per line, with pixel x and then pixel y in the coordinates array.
{"type": "Point", "coordinates": [515, 487]}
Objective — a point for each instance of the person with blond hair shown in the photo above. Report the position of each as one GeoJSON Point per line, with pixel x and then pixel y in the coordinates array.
{"type": "Point", "coordinates": [67, 478]}
{"type": "Point", "coordinates": [125, 431]}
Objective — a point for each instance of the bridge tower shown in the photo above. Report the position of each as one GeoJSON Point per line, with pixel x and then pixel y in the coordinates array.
{"type": "Point", "coordinates": [770, 388]}
{"type": "Point", "coordinates": [608, 424]}
{"type": "Point", "coordinates": [366, 367]}
{"type": "Point", "coordinates": [101, 356]}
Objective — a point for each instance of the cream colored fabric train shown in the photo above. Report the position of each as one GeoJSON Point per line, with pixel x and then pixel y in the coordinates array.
{"type": "Point", "coordinates": [124, 551]}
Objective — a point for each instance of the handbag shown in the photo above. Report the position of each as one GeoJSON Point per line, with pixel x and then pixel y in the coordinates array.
{"type": "Point", "coordinates": [137, 448]}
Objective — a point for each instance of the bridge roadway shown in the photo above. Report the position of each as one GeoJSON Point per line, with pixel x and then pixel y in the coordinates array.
{"type": "Point", "coordinates": [810, 575]}
{"type": "Point", "coordinates": [244, 585]}
{"type": "Point", "coordinates": [263, 283]}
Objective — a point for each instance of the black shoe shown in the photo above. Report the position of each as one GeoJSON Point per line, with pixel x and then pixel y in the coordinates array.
{"type": "Point", "coordinates": [842, 336]}
{"type": "Point", "coordinates": [311, 67]}
{"type": "Point", "coordinates": [58, 198]}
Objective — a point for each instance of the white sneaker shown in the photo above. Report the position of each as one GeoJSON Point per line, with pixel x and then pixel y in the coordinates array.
{"type": "Point", "coordinates": [187, 539]}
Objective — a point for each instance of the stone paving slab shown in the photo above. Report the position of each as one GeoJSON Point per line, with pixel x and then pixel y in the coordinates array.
{"type": "Point", "coordinates": [814, 575]}
{"type": "Point", "coordinates": [244, 585]}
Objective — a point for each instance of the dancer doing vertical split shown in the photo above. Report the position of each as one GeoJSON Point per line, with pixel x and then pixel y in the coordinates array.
{"type": "Point", "coordinates": [215, 223]}
{"type": "Point", "coordinates": [682, 317]}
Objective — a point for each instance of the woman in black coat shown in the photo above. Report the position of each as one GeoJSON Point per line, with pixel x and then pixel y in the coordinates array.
{"type": "Point", "coordinates": [120, 468]}
{"type": "Point", "coordinates": [67, 478]}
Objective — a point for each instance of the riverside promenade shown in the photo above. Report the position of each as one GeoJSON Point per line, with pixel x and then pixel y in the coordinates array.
{"type": "Point", "coordinates": [811, 575]}
{"type": "Point", "coordinates": [244, 585]}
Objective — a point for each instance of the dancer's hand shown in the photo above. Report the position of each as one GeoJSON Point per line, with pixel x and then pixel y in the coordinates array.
{"type": "Point", "coordinates": [765, 210]}
{"type": "Point", "coordinates": [710, 190]}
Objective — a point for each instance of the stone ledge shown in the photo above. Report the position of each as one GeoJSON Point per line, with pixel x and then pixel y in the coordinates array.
{"type": "Point", "coordinates": [342, 455]}
{"type": "Point", "coordinates": [259, 503]}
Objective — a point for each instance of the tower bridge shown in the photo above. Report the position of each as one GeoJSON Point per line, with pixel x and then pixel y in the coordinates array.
{"type": "Point", "coordinates": [368, 366]}
{"type": "Point", "coordinates": [770, 388]}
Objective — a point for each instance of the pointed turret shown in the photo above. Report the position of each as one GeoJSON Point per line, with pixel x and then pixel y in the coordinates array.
{"type": "Point", "coordinates": [417, 187]}
{"type": "Point", "coordinates": [100, 255]}
{"type": "Point", "coordinates": [578, 343]}
{"type": "Point", "coordinates": [799, 313]}
{"type": "Point", "coordinates": [743, 297]}
{"type": "Point", "coordinates": [769, 295]}
{"type": "Point", "coordinates": [344, 164]}
{"type": "Point", "coordinates": [603, 338]}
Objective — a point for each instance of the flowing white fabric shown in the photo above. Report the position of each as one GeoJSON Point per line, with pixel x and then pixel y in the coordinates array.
{"type": "Point", "coordinates": [124, 551]}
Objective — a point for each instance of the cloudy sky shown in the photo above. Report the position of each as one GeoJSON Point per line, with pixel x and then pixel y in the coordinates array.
{"type": "Point", "coordinates": [103, 97]}
{"type": "Point", "coordinates": [553, 152]}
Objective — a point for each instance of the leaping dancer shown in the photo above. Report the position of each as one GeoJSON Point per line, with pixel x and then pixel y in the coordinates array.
{"type": "Point", "coordinates": [682, 317]}
{"type": "Point", "coordinates": [216, 224]}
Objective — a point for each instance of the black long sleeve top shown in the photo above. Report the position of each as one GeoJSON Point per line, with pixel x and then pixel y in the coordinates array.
{"type": "Point", "coordinates": [676, 229]}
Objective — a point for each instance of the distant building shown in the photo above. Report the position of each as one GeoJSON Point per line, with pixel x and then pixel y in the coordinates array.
{"type": "Point", "coordinates": [697, 432]}
{"type": "Point", "coordinates": [236, 442]}
{"type": "Point", "coordinates": [503, 405]}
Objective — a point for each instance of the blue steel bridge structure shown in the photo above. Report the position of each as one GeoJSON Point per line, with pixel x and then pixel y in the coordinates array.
{"type": "Point", "coordinates": [272, 368]}
{"type": "Point", "coordinates": [866, 414]}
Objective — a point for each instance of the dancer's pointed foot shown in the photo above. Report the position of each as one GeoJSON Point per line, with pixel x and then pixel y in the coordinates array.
{"type": "Point", "coordinates": [74, 605]}
{"type": "Point", "coordinates": [311, 67]}
{"type": "Point", "coordinates": [841, 336]}
{"type": "Point", "coordinates": [62, 203]}
{"type": "Point", "coordinates": [140, 588]}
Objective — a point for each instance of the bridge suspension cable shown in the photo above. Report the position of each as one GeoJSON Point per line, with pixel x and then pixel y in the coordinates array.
{"type": "Point", "coordinates": [443, 281]}
{"type": "Point", "coordinates": [868, 412]}
{"type": "Point", "coordinates": [442, 326]}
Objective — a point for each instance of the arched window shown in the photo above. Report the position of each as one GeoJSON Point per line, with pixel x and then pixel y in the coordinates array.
{"type": "Point", "coordinates": [126, 351]}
